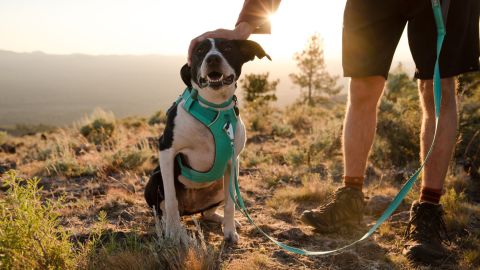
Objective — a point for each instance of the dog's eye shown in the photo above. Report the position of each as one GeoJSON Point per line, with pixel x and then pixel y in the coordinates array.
{"type": "Point", "coordinates": [227, 48]}
{"type": "Point", "coordinates": [200, 50]}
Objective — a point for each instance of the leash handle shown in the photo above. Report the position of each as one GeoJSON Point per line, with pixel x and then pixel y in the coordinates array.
{"type": "Point", "coordinates": [437, 88]}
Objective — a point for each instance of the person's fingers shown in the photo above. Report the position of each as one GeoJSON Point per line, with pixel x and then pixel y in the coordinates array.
{"type": "Point", "coordinates": [193, 43]}
{"type": "Point", "coordinates": [219, 33]}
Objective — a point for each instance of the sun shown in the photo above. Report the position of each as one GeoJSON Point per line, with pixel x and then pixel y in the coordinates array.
{"type": "Point", "coordinates": [295, 21]}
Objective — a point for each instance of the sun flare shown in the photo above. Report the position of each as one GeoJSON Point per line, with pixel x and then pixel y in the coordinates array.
{"type": "Point", "coordinates": [295, 21]}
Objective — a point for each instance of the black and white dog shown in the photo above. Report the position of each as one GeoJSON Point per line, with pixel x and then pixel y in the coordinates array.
{"type": "Point", "coordinates": [216, 67]}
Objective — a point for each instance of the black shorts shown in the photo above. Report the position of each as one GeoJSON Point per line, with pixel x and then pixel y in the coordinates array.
{"type": "Point", "coordinates": [372, 30]}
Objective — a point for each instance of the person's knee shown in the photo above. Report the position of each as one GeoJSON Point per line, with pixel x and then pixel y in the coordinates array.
{"type": "Point", "coordinates": [365, 91]}
{"type": "Point", "coordinates": [448, 94]}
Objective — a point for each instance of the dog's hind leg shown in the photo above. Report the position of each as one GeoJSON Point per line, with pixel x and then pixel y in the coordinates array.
{"type": "Point", "coordinates": [154, 194]}
{"type": "Point", "coordinates": [213, 216]}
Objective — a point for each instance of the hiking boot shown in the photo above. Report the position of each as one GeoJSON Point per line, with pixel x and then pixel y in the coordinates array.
{"type": "Point", "coordinates": [345, 208]}
{"type": "Point", "coordinates": [425, 234]}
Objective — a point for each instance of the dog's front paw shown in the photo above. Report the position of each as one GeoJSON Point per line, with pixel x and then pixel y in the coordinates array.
{"type": "Point", "coordinates": [231, 237]}
{"type": "Point", "coordinates": [173, 228]}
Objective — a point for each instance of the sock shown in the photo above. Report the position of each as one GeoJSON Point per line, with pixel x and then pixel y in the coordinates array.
{"type": "Point", "coordinates": [431, 195]}
{"type": "Point", "coordinates": [353, 182]}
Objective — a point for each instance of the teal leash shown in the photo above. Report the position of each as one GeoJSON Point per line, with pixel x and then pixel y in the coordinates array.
{"type": "Point", "coordinates": [234, 188]}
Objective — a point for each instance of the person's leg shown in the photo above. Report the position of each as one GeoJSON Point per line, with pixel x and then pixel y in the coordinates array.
{"type": "Point", "coordinates": [436, 168]}
{"type": "Point", "coordinates": [371, 32]}
{"type": "Point", "coordinates": [348, 204]}
{"type": "Point", "coordinates": [360, 123]}
{"type": "Point", "coordinates": [459, 54]}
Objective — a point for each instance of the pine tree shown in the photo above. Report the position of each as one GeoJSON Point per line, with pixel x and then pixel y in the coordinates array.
{"type": "Point", "coordinates": [258, 90]}
{"type": "Point", "coordinates": [313, 74]}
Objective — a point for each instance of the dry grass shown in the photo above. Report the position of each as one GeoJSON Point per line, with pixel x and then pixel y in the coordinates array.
{"type": "Point", "coordinates": [254, 261]}
{"type": "Point", "coordinates": [313, 191]}
{"type": "Point", "coordinates": [282, 174]}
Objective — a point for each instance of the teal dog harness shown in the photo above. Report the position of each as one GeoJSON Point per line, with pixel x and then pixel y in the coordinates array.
{"type": "Point", "coordinates": [221, 122]}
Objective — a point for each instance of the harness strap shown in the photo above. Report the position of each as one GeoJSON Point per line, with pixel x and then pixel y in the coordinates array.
{"type": "Point", "coordinates": [238, 200]}
{"type": "Point", "coordinates": [215, 120]}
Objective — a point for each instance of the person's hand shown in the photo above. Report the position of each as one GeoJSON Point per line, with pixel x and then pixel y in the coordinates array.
{"type": "Point", "coordinates": [242, 31]}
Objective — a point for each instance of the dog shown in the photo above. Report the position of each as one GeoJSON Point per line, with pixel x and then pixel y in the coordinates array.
{"type": "Point", "coordinates": [188, 142]}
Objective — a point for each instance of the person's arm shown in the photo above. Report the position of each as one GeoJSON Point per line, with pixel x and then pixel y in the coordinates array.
{"type": "Point", "coordinates": [253, 18]}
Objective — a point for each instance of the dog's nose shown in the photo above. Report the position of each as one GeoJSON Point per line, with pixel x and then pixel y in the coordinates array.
{"type": "Point", "coordinates": [213, 60]}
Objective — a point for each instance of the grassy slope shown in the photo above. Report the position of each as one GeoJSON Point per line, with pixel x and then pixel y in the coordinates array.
{"type": "Point", "coordinates": [287, 167]}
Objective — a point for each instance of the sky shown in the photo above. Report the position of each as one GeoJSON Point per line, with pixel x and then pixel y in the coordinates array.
{"type": "Point", "coordinates": [160, 26]}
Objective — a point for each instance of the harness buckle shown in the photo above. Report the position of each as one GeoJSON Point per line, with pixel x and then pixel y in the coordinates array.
{"type": "Point", "coordinates": [228, 128]}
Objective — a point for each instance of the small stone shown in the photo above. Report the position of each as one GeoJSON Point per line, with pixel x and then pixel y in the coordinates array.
{"type": "Point", "coordinates": [377, 204]}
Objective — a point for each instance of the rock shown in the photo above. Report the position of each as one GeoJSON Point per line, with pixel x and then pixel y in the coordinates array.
{"type": "Point", "coordinates": [8, 148]}
{"type": "Point", "coordinates": [7, 165]}
{"type": "Point", "coordinates": [377, 204]}
{"type": "Point", "coordinates": [403, 216]}
{"type": "Point", "coordinates": [83, 149]}
{"type": "Point", "coordinates": [346, 260]}
{"type": "Point", "coordinates": [293, 233]}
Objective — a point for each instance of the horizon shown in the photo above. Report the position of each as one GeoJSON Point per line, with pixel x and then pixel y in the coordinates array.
{"type": "Point", "coordinates": [143, 29]}
{"type": "Point", "coordinates": [138, 27]}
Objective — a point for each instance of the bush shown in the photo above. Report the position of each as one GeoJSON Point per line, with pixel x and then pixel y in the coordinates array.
{"type": "Point", "coordinates": [159, 117]}
{"type": "Point", "coordinates": [297, 157]}
{"type": "Point", "coordinates": [3, 137]}
{"type": "Point", "coordinates": [99, 131]}
{"type": "Point", "coordinates": [134, 122]}
{"type": "Point", "coordinates": [282, 130]}
{"type": "Point", "coordinates": [398, 129]}
{"type": "Point", "coordinates": [129, 159]}
{"type": "Point", "coordinates": [69, 167]}
{"type": "Point", "coordinates": [30, 234]}
{"type": "Point", "coordinates": [300, 119]}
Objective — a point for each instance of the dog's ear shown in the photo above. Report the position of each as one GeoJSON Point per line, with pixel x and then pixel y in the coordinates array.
{"type": "Point", "coordinates": [186, 74]}
{"type": "Point", "coordinates": [249, 49]}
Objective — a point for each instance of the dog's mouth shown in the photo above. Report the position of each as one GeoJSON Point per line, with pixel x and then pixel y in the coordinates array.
{"type": "Point", "coordinates": [216, 80]}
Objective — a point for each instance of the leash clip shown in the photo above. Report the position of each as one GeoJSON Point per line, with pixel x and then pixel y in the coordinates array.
{"type": "Point", "coordinates": [228, 128]}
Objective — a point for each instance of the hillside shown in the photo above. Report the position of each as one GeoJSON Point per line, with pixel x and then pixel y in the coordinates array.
{"type": "Point", "coordinates": [38, 88]}
{"type": "Point", "coordinates": [292, 162]}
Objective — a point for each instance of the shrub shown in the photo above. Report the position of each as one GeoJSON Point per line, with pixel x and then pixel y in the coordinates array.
{"type": "Point", "coordinates": [30, 234]}
{"type": "Point", "coordinates": [69, 167]}
{"type": "Point", "coordinates": [129, 159]}
{"type": "Point", "coordinates": [300, 118]}
{"type": "Point", "coordinates": [3, 137]}
{"type": "Point", "coordinates": [457, 209]}
{"type": "Point", "coordinates": [282, 130]}
{"type": "Point", "coordinates": [133, 122]}
{"type": "Point", "coordinates": [297, 156]}
{"type": "Point", "coordinates": [159, 117]}
{"type": "Point", "coordinates": [258, 122]}
{"type": "Point", "coordinates": [99, 131]}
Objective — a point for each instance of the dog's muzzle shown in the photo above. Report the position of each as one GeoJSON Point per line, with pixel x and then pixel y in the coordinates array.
{"type": "Point", "coordinates": [215, 80]}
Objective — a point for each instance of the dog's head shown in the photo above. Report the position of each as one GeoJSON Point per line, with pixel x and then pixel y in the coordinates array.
{"type": "Point", "coordinates": [217, 64]}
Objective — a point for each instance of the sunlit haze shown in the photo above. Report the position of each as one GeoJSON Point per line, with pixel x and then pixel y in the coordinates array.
{"type": "Point", "coordinates": [125, 55]}
{"type": "Point", "coordinates": [158, 26]}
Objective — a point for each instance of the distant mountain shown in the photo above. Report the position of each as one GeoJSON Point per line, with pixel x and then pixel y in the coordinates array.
{"type": "Point", "coordinates": [58, 89]}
